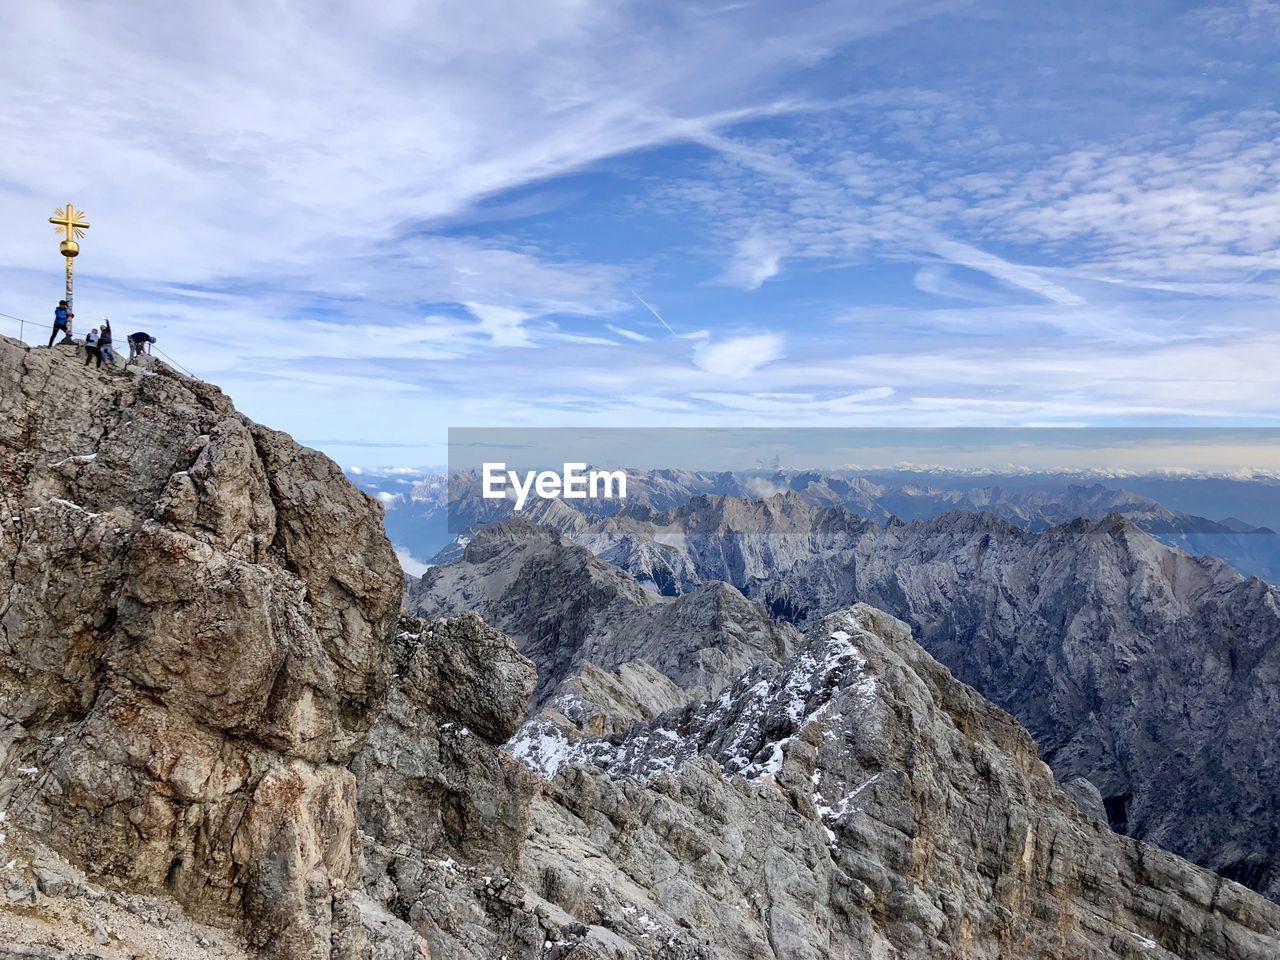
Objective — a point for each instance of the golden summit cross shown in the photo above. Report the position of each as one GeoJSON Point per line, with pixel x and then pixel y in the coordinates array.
{"type": "Point", "coordinates": [71, 223]}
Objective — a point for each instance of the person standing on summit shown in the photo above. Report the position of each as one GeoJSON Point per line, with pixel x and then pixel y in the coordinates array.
{"type": "Point", "coordinates": [61, 321]}
{"type": "Point", "coordinates": [105, 352]}
{"type": "Point", "coordinates": [91, 348]}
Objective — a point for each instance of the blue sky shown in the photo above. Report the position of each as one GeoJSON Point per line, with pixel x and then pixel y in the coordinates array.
{"type": "Point", "coordinates": [370, 225]}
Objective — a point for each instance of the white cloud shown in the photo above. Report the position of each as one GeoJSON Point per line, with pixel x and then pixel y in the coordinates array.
{"type": "Point", "coordinates": [329, 135]}
{"type": "Point", "coordinates": [502, 325]}
{"type": "Point", "coordinates": [738, 356]}
{"type": "Point", "coordinates": [756, 258]}
{"type": "Point", "coordinates": [797, 404]}
{"type": "Point", "coordinates": [1253, 21]}
{"type": "Point", "coordinates": [653, 310]}
{"type": "Point", "coordinates": [1201, 203]}
{"type": "Point", "coordinates": [938, 280]}
{"type": "Point", "coordinates": [582, 338]}
{"type": "Point", "coordinates": [245, 165]}
{"type": "Point", "coordinates": [288, 200]}
{"type": "Point", "coordinates": [410, 564]}
{"type": "Point", "coordinates": [1198, 203]}
{"type": "Point", "coordinates": [628, 334]}
{"type": "Point", "coordinates": [1013, 274]}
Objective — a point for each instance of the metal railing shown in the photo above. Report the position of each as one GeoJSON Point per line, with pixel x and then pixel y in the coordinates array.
{"type": "Point", "coordinates": [44, 328]}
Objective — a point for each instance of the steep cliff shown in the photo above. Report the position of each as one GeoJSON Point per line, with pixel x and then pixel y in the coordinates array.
{"type": "Point", "coordinates": [194, 617]}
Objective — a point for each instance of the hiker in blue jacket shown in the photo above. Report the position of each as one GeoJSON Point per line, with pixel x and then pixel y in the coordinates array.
{"type": "Point", "coordinates": [61, 321]}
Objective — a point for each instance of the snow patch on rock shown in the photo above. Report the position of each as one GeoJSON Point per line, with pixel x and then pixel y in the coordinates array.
{"type": "Point", "coordinates": [748, 729]}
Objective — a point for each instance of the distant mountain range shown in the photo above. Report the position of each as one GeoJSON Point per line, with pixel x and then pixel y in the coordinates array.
{"type": "Point", "coordinates": [421, 522]}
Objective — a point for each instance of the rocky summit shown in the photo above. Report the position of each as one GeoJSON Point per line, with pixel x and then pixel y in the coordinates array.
{"type": "Point", "coordinates": [221, 737]}
{"type": "Point", "coordinates": [195, 620]}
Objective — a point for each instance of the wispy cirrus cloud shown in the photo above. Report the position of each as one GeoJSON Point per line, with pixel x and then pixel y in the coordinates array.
{"type": "Point", "coordinates": [1013, 274]}
{"type": "Point", "coordinates": [1016, 216]}
{"type": "Point", "coordinates": [285, 161]}
{"type": "Point", "coordinates": [627, 334]}
{"type": "Point", "coordinates": [1206, 207]}
{"type": "Point", "coordinates": [331, 133]}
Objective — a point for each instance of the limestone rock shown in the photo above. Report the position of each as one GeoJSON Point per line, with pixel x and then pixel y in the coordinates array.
{"type": "Point", "coordinates": [859, 801]}
{"type": "Point", "coordinates": [432, 783]}
{"type": "Point", "coordinates": [1087, 797]}
{"type": "Point", "coordinates": [194, 618]}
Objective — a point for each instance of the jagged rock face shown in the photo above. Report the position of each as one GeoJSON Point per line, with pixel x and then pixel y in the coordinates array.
{"type": "Point", "coordinates": [51, 911]}
{"type": "Point", "coordinates": [849, 800]}
{"type": "Point", "coordinates": [857, 801]}
{"type": "Point", "coordinates": [440, 806]}
{"type": "Point", "coordinates": [1147, 672]}
{"type": "Point", "coordinates": [618, 651]}
{"type": "Point", "coordinates": [460, 689]}
{"type": "Point", "coordinates": [194, 616]}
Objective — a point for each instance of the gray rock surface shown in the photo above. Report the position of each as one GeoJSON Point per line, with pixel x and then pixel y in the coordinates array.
{"type": "Point", "coordinates": [62, 915]}
{"type": "Point", "coordinates": [1087, 797]}
{"type": "Point", "coordinates": [444, 813]}
{"type": "Point", "coordinates": [858, 801]}
{"type": "Point", "coordinates": [194, 617]}
{"type": "Point", "coordinates": [606, 648]}
{"type": "Point", "coordinates": [1147, 671]}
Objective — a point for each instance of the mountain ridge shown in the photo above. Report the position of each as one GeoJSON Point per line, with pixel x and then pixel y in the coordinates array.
{"type": "Point", "coordinates": [420, 517]}
{"type": "Point", "coordinates": [980, 592]}
{"type": "Point", "coordinates": [1057, 626]}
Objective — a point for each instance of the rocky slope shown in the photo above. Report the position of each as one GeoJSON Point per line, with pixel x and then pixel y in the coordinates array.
{"type": "Point", "coordinates": [1150, 673]}
{"type": "Point", "coordinates": [194, 614]}
{"type": "Point", "coordinates": [858, 801]}
{"type": "Point", "coordinates": [604, 645]}
{"type": "Point", "coordinates": [853, 800]}
{"type": "Point", "coordinates": [443, 812]}
{"type": "Point", "coordinates": [51, 911]}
